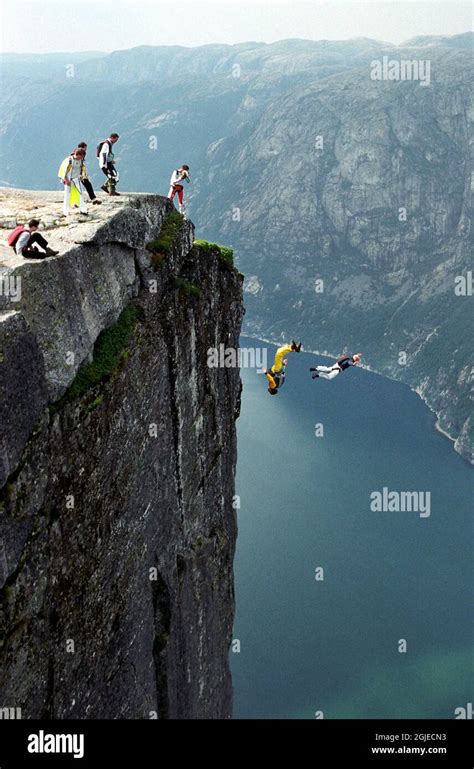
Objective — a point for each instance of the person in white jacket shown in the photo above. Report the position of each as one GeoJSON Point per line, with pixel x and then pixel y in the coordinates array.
{"type": "Point", "coordinates": [70, 173]}
{"type": "Point", "coordinates": [342, 363]}
{"type": "Point", "coordinates": [179, 176]}
{"type": "Point", "coordinates": [23, 238]}
{"type": "Point", "coordinates": [107, 163]}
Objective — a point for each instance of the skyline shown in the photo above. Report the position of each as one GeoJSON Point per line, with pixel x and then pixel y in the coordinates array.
{"type": "Point", "coordinates": [46, 27]}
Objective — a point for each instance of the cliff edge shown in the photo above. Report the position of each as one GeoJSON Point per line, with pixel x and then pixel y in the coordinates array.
{"type": "Point", "coordinates": [117, 462]}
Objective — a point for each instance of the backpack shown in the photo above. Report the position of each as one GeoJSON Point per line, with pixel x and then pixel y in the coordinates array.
{"type": "Point", "coordinates": [15, 234]}
{"type": "Point", "coordinates": [343, 360]}
{"type": "Point", "coordinates": [99, 147]}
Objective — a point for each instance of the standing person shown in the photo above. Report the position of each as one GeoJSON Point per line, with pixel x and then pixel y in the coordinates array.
{"type": "Point", "coordinates": [176, 186]}
{"type": "Point", "coordinates": [329, 372]}
{"type": "Point", "coordinates": [85, 177]}
{"type": "Point", "coordinates": [107, 163]}
{"type": "Point", "coordinates": [22, 239]}
{"type": "Point", "coordinates": [70, 173]}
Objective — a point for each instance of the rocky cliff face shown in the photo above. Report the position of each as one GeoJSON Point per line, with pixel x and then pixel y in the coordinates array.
{"type": "Point", "coordinates": [118, 451]}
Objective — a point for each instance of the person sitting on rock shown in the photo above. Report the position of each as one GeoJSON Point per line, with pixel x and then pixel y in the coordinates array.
{"type": "Point", "coordinates": [22, 239]}
{"type": "Point", "coordinates": [276, 374]}
{"type": "Point", "coordinates": [329, 372]}
{"type": "Point", "coordinates": [85, 177]}
{"type": "Point", "coordinates": [107, 163]}
{"type": "Point", "coordinates": [179, 176]}
{"type": "Point", "coordinates": [71, 172]}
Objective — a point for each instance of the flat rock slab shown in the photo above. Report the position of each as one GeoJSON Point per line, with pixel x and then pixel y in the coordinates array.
{"type": "Point", "coordinates": [19, 206]}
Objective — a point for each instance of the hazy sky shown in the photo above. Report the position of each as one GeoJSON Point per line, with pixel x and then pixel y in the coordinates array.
{"type": "Point", "coordinates": [45, 26]}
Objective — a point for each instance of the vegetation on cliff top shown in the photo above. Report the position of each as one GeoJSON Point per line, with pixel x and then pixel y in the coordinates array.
{"type": "Point", "coordinates": [225, 254]}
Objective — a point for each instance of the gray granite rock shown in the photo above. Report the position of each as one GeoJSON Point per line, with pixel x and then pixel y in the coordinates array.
{"type": "Point", "coordinates": [117, 528]}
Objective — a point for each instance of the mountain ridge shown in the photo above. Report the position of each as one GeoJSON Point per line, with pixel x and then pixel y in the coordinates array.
{"type": "Point", "coordinates": [295, 213]}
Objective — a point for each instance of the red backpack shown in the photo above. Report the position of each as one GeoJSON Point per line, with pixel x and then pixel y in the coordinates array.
{"type": "Point", "coordinates": [15, 234]}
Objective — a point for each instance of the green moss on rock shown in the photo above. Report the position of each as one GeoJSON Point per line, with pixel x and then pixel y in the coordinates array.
{"type": "Point", "coordinates": [162, 245]}
{"type": "Point", "coordinates": [225, 253]}
{"type": "Point", "coordinates": [187, 289]}
{"type": "Point", "coordinates": [110, 349]}
{"type": "Point", "coordinates": [94, 404]}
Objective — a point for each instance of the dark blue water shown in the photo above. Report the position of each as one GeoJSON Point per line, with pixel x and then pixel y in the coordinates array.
{"type": "Point", "coordinates": [332, 645]}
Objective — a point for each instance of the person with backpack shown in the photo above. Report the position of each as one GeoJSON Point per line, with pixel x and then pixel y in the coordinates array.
{"type": "Point", "coordinates": [176, 186]}
{"type": "Point", "coordinates": [107, 163]}
{"type": "Point", "coordinates": [85, 177]}
{"type": "Point", "coordinates": [342, 363]}
{"type": "Point", "coordinates": [22, 240]}
{"type": "Point", "coordinates": [71, 172]}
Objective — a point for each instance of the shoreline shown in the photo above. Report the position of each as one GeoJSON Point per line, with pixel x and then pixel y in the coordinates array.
{"type": "Point", "coordinates": [330, 356]}
{"type": "Point", "coordinates": [438, 426]}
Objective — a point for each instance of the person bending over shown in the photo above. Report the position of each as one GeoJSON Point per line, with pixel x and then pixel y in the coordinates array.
{"type": "Point", "coordinates": [179, 176]}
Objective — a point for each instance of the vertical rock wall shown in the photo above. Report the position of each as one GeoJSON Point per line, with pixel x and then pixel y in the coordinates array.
{"type": "Point", "coordinates": [117, 525]}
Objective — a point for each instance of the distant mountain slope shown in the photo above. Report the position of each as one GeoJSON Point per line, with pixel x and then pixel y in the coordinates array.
{"type": "Point", "coordinates": [314, 170]}
{"type": "Point", "coordinates": [42, 65]}
{"type": "Point", "coordinates": [382, 213]}
{"type": "Point", "coordinates": [464, 41]}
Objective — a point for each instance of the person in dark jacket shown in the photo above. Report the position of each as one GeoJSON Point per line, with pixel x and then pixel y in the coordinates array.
{"type": "Point", "coordinates": [342, 363]}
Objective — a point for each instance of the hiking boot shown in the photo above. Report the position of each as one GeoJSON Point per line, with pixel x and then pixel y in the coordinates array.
{"type": "Point", "coordinates": [96, 202]}
{"type": "Point", "coordinates": [51, 252]}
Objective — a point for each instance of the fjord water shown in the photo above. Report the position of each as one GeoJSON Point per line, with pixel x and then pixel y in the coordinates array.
{"type": "Point", "coordinates": [332, 645]}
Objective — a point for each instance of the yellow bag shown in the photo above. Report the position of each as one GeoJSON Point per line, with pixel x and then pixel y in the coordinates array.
{"type": "Point", "coordinates": [75, 197]}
